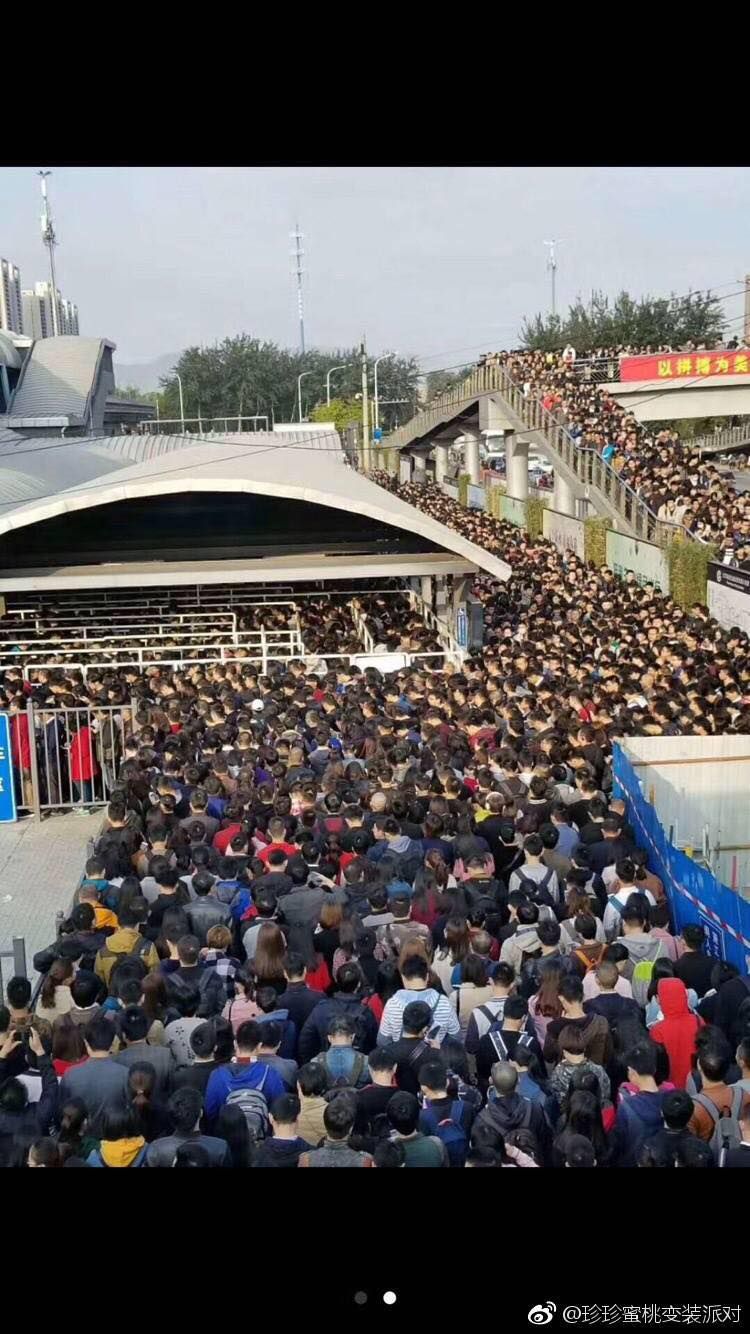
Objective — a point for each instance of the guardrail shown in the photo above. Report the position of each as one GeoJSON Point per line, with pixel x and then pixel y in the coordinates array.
{"type": "Point", "coordinates": [713, 442]}
{"type": "Point", "coordinates": [17, 953]}
{"type": "Point", "coordinates": [585, 463]}
{"type": "Point", "coordinates": [181, 425]}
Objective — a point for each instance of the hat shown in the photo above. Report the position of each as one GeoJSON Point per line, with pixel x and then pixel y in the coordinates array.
{"type": "Point", "coordinates": [257, 706]}
{"type": "Point", "coordinates": [399, 889]}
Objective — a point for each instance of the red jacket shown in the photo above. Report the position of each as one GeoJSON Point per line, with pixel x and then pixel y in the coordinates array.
{"type": "Point", "coordinates": [19, 740]}
{"type": "Point", "coordinates": [678, 1029]}
{"type": "Point", "coordinates": [83, 765]}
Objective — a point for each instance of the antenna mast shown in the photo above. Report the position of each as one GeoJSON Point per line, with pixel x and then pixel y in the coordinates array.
{"type": "Point", "coordinates": [297, 254]}
{"type": "Point", "coordinates": [50, 240]}
{"type": "Point", "coordinates": [552, 266]}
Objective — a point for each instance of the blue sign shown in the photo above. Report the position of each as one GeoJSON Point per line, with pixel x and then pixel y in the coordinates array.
{"type": "Point", "coordinates": [462, 627]}
{"type": "Point", "coordinates": [7, 787]}
{"type": "Point", "coordinates": [377, 435]}
{"type": "Point", "coordinates": [714, 944]}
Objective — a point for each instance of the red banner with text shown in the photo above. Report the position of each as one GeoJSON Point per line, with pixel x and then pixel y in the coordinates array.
{"type": "Point", "coordinates": [685, 365]}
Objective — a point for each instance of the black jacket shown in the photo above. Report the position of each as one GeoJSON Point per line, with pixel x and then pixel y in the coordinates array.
{"type": "Point", "coordinates": [314, 1036]}
{"type": "Point", "coordinates": [300, 1000]}
{"type": "Point", "coordinates": [204, 912]}
{"type": "Point", "coordinates": [516, 1113]}
{"type": "Point", "coordinates": [90, 943]}
{"type": "Point", "coordinates": [19, 1129]}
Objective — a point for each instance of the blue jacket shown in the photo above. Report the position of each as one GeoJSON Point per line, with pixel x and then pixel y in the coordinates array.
{"type": "Point", "coordinates": [314, 1035]}
{"type": "Point", "coordinates": [234, 1076]}
{"type": "Point", "coordinates": [639, 1117]}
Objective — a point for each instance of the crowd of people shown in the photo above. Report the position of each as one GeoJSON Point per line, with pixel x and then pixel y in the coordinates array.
{"type": "Point", "coordinates": [678, 486]}
{"type": "Point", "coordinates": [337, 918]}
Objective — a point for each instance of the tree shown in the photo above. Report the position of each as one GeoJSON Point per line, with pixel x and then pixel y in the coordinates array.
{"type": "Point", "coordinates": [131, 391]}
{"type": "Point", "coordinates": [248, 376]}
{"type": "Point", "coordinates": [341, 411]}
{"type": "Point", "coordinates": [656, 321]}
{"type": "Point", "coordinates": [439, 382]}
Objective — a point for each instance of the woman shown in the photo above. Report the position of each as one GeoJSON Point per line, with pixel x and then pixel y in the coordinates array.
{"type": "Point", "coordinates": [449, 958]}
{"type": "Point", "coordinates": [73, 1139]}
{"type": "Point", "coordinates": [44, 1153]}
{"type": "Point", "coordinates": [55, 999]}
{"type": "Point", "coordinates": [244, 1006]}
{"type": "Point", "coordinates": [678, 1030]}
{"type": "Point", "coordinates": [387, 984]}
{"type": "Point", "coordinates": [268, 964]}
{"type": "Point", "coordinates": [232, 1127]}
{"type": "Point", "coordinates": [578, 904]}
{"type": "Point", "coordinates": [473, 990]}
{"type": "Point", "coordinates": [153, 1117]}
{"type": "Point", "coordinates": [546, 1005]}
{"type": "Point", "coordinates": [326, 935]}
{"type": "Point", "coordinates": [428, 884]}
{"type": "Point", "coordinates": [155, 1003]}
{"type": "Point", "coordinates": [581, 1116]}
{"type": "Point", "coordinates": [662, 969]}
{"type": "Point", "coordinates": [123, 1144]}
{"type": "Point", "coordinates": [492, 1149]}
{"type": "Point", "coordinates": [68, 1046]}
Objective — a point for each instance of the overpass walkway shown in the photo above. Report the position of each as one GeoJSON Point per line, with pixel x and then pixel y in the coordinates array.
{"type": "Point", "coordinates": [548, 432]}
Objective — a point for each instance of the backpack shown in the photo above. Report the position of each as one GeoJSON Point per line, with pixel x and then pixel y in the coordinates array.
{"type": "Point", "coordinates": [531, 888]}
{"type": "Point", "coordinates": [344, 1081]}
{"type": "Point", "coordinates": [641, 980]}
{"type": "Point", "coordinates": [252, 1103]}
{"type": "Point", "coordinates": [495, 1036]}
{"type": "Point", "coordinates": [614, 903]}
{"type": "Point", "coordinates": [589, 964]}
{"type": "Point", "coordinates": [726, 1134]}
{"type": "Point", "coordinates": [450, 1131]}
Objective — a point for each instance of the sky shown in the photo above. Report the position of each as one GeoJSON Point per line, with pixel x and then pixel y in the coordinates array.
{"type": "Point", "coordinates": [441, 263]}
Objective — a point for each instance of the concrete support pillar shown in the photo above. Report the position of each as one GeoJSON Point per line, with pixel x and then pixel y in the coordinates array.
{"type": "Point", "coordinates": [517, 467]}
{"type": "Point", "coordinates": [419, 474]}
{"type": "Point", "coordinates": [471, 456]}
{"type": "Point", "coordinates": [442, 456]}
{"type": "Point", "coordinates": [563, 497]}
{"type": "Point", "coordinates": [426, 589]}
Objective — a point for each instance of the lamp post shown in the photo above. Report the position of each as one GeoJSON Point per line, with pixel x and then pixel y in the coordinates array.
{"type": "Point", "coordinates": [300, 378]}
{"type": "Point", "coordinates": [385, 357]}
{"type": "Point", "coordinates": [182, 403]}
{"type": "Point", "coordinates": [329, 373]}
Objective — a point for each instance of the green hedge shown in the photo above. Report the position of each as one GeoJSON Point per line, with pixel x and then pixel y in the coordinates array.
{"type": "Point", "coordinates": [463, 488]}
{"type": "Point", "coordinates": [688, 570]}
{"type": "Point", "coordinates": [595, 540]}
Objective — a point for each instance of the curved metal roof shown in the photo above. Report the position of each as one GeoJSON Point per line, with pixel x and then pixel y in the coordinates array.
{"type": "Point", "coordinates": [42, 478]}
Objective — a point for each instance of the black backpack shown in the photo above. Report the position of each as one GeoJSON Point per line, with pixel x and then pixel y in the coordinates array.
{"type": "Point", "coordinates": [536, 890]}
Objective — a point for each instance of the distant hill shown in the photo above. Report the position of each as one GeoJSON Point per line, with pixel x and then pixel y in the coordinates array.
{"type": "Point", "coordinates": [145, 375]}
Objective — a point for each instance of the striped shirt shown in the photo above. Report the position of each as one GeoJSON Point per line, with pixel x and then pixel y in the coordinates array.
{"type": "Point", "coordinates": [443, 1014]}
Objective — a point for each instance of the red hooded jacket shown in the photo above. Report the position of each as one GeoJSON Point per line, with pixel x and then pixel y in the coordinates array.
{"type": "Point", "coordinates": [677, 1030]}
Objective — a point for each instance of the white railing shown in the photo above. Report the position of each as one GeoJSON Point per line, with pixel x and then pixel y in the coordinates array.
{"type": "Point", "coordinates": [184, 425]}
{"type": "Point", "coordinates": [728, 437]}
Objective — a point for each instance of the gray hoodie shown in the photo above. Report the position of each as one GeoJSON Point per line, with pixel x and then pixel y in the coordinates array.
{"type": "Point", "coordinates": [524, 941]}
{"type": "Point", "coordinates": [642, 948]}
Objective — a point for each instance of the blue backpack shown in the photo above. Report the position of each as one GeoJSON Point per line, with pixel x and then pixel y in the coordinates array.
{"type": "Point", "coordinates": [450, 1131]}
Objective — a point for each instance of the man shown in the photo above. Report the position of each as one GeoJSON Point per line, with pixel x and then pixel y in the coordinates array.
{"type": "Point", "coordinates": [266, 908]}
{"type": "Point", "coordinates": [196, 1075]}
{"type": "Point", "coordinates": [420, 1150]}
{"type": "Point", "coordinates": [298, 1000]}
{"type": "Point", "coordinates": [504, 1038]}
{"type": "Point", "coordinates": [566, 835]}
{"type": "Point", "coordinates": [448, 1119]}
{"type": "Point", "coordinates": [198, 804]}
{"type": "Point", "coordinates": [533, 878]}
{"type": "Point", "coordinates": [272, 1033]}
{"type": "Point", "coordinates": [676, 1109]}
{"type": "Point", "coordinates": [101, 1081]}
{"type": "Point", "coordinates": [393, 849]}
{"type": "Point", "coordinates": [284, 1147]}
{"type": "Point", "coordinates": [373, 1098]}
{"type": "Point", "coordinates": [506, 1110]}
{"type": "Point", "coordinates": [312, 1083]}
{"type": "Point", "coordinates": [402, 930]}
{"type": "Point", "coordinates": [619, 1011]}
{"type": "Point", "coordinates": [275, 881]}
{"type": "Point", "coordinates": [481, 890]}
{"type": "Point", "coordinates": [643, 947]}
{"type": "Point", "coordinates": [591, 830]}
{"type": "Point", "coordinates": [344, 1067]}
{"type": "Point", "coordinates": [640, 1115]}
{"type": "Point", "coordinates": [245, 1081]}
{"type": "Point", "coordinates": [348, 1000]}
{"type": "Point", "coordinates": [84, 990]}
{"type": "Point", "coordinates": [502, 982]}
{"type": "Point", "coordinates": [22, 1121]}
{"type": "Point", "coordinates": [579, 811]}
{"type": "Point", "coordinates": [524, 943]}
{"type": "Point", "coordinates": [415, 978]}
{"type": "Point", "coordinates": [611, 848]}
{"type": "Point", "coordinates": [616, 903]}
{"type": "Point", "coordinates": [717, 1099]}
{"type": "Point", "coordinates": [695, 968]}
{"type": "Point", "coordinates": [191, 973]}
{"type": "Point", "coordinates": [85, 938]}
{"type": "Point", "coordinates": [126, 941]}
{"type": "Point", "coordinates": [412, 1048]}
{"type": "Point", "coordinates": [278, 843]}
{"type": "Point", "coordinates": [205, 911]}
{"type": "Point", "coordinates": [133, 1026]}
{"type": "Point", "coordinates": [338, 1119]}
{"type": "Point", "coordinates": [552, 857]}
{"type": "Point", "coordinates": [549, 935]}
{"type": "Point", "coordinates": [185, 1109]}
{"type": "Point", "coordinates": [593, 1027]}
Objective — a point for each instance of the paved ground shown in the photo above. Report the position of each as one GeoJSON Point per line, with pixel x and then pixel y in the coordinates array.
{"type": "Point", "coordinates": [41, 863]}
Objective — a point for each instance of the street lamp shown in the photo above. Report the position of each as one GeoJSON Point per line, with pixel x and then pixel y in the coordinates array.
{"type": "Point", "coordinates": [182, 404]}
{"type": "Point", "coordinates": [384, 357]}
{"type": "Point", "coordinates": [300, 378]}
{"type": "Point", "coordinates": [329, 373]}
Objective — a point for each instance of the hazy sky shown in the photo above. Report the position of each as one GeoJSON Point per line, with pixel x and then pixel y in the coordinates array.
{"type": "Point", "coordinates": [437, 262]}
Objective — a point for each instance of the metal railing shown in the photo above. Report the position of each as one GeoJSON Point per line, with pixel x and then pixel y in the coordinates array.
{"type": "Point", "coordinates": [586, 464]}
{"type": "Point", "coordinates": [17, 953]}
{"type": "Point", "coordinates": [258, 646]}
{"type": "Point", "coordinates": [76, 754]}
{"type": "Point", "coordinates": [183, 425]}
{"type": "Point", "coordinates": [728, 437]}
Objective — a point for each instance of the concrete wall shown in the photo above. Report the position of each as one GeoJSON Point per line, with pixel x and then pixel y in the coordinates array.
{"type": "Point", "coordinates": [696, 784]}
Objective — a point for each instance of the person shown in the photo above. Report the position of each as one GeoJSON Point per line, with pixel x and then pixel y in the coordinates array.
{"type": "Point", "coordinates": [718, 1104]}
{"type": "Point", "coordinates": [344, 1067]}
{"type": "Point", "coordinates": [507, 1110]}
{"type": "Point", "coordinates": [85, 990]}
{"type": "Point", "coordinates": [740, 1155]}
{"type": "Point", "coordinates": [373, 1098]}
{"type": "Point", "coordinates": [22, 1120]}
{"type": "Point", "coordinates": [101, 1081]}
{"type": "Point", "coordinates": [447, 1118]}
{"type": "Point", "coordinates": [639, 1115]}
{"type": "Point", "coordinates": [312, 1084]}
{"type": "Point", "coordinates": [335, 1151]}
{"type": "Point", "coordinates": [185, 1109]}
{"type": "Point", "coordinates": [298, 999]}
{"type": "Point", "coordinates": [415, 979]}
{"type": "Point", "coordinates": [593, 1027]}
{"type": "Point", "coordinates": [694, 967]}
{"type": "Point", "coordinates": [580, 1152]}
{"type": "Point", "coordinates": [677, 1109]}
{"type": "Point", "coordinates": [55, 999]}
{"type": "Point", "coordinates": [246, 1081]}
{"type": "Point", "coordinates": [44, 1153]}
{"type": "Point", "coordinates": [205, 910]}
{"type": "Point", "coordinates": [133, 1027]}
{"type": "Point", "coordinates": [284, 1147]}
{"type": "Point", "coordinates": [126, 941]}
{"type": "Point", "coordinates": [502, 981]}
{"type": "Point", "coordinates": [505, 1037]}
{"type": "Point", "coordinates": [472, 991]}
{"type": "Point", "coordinates": [678, 1030]}
{"type": "Point", "coordinates": [122, 1143]}
{"type": "Point", "coordinates": [573, 1064]}
{"type": "Point", "coordinates": [348, 1000]}
{"type": "Point", "coordinates": [420, 1149]}
{"type": "Point", "coordinates": [523, 944]}
{"type": "Point", "coordinates": [538, 881]}
{"type": "Point", "coordinates": [269, 1050]}
{"type": "Point", "coordinates": [582, 1117]}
